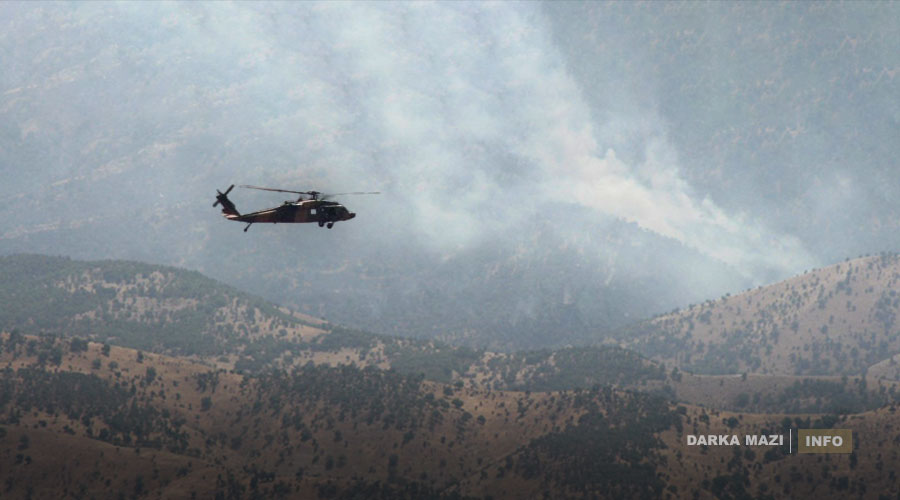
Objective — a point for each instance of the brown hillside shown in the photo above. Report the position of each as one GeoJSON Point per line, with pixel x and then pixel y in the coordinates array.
{"type": "Point", "coordinates": [182, 427]}
{"type": "Point", "coordinates": [79, 422]}
{"type": "Point", "coordinates": [769, 471]}
{"type": "Point", "coordinates": [832, 321]}
{"type": "Point", "coordinates": [145, 298]}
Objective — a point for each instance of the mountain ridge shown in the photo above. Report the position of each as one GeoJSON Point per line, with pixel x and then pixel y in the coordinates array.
{"type": "Point", "coordinates": [835, 320]}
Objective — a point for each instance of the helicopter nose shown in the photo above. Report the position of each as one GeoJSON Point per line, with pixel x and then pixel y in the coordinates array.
{"type": "Point", "coordinates": [352, 215]}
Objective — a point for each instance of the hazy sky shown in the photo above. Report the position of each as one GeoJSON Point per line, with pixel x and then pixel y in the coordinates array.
{"type": "Point", "coordinates": [463, 109]}
{"type": "Point", "coordinates": [471, 117]}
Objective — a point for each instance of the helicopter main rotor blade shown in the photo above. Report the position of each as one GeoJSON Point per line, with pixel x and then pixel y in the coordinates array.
{"type": "Point", "coordinates": [276, 190]}
{"type": "Point", "coordinates": [332, 195]}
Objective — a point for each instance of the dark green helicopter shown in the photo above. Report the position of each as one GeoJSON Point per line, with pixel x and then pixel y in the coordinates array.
{"type": "Point", "coordinates": [316, 208]}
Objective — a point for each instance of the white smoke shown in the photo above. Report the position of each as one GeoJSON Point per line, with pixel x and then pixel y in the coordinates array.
{"type": "Point", "coordinates": [455, 110]}
{"type": "Point", "coordinates": [436, 86]}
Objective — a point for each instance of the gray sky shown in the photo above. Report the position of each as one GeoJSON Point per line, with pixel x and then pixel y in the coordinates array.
{"type": "Point", "coordinates": [471, 117]}
{"type": "Point", "coordinates": [462, 109]}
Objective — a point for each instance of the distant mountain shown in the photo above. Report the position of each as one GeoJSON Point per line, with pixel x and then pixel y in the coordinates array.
{"type": "Point", "coordinates": [560, 280]}
{"type": "Point", "coordinates": [168, 310]}
{"type": "Point", "coordinates": [174, 311]}
{"type": "Point", "coordinates": [564, 277]}
{"type": "Point", "coordinates": [837, 320]}
{"type": "Point", "coordinates": [223, 394]}
{"type": "Point", "coordinates": [139, 305]}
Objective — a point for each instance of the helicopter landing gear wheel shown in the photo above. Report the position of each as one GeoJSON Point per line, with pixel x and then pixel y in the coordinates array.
{"type": "Point", "coordinates": [330, 225]}
{"type": "Point", "coordinates": [321, 223]}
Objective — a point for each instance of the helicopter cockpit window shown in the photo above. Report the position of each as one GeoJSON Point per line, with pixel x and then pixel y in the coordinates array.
{"type": "Point", "coordinates": [312, 211]}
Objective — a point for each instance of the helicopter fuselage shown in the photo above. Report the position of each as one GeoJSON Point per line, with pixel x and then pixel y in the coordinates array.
{"type": "Point", "coordinates": [298, 212]}
{"type": "Point", "coordinates": [317, 209]}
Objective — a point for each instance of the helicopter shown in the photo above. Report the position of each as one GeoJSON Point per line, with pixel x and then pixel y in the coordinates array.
{"type": "Point", "coordinates": [316, 208]}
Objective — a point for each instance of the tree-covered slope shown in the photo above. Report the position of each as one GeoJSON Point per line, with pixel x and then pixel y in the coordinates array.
{"type": "Point", "coordinates": [95, 422]}
{"type": "Point", "coordinates": [171, 310]}
{"type": "Point", "coordinates": [314, 431]}
{"type": "Point", "coordinates": [837, 320]}
{"type": "Point", "coordinates": [138, 305]}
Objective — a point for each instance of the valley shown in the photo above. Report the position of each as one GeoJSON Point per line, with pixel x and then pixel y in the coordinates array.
{"type": "Point", "coordinates": [277, 404]}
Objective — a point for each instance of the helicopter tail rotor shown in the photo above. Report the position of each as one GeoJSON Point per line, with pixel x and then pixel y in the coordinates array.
{"type": "Point", "coordinates": [228, 207]}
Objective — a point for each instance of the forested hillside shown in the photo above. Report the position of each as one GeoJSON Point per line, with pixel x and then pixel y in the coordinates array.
{"type": "Point", "coordinates": [174, 311]}
{"type": "Point", "coordinates": [313, 431]}
{"type": "Point", "coordinates": [139, 305]}
{"type": "Point", "coordinates": [79, 419]}
{"type": "Point", "coordinates": [837, 320]}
